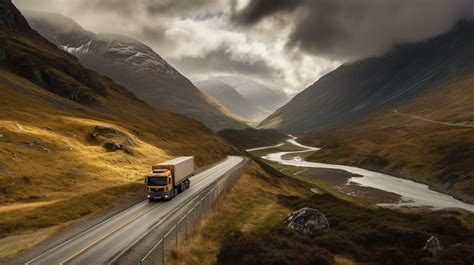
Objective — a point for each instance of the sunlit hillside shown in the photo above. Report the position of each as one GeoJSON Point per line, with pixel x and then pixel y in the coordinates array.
{"type": "Point", "coordinates": [73, 142]}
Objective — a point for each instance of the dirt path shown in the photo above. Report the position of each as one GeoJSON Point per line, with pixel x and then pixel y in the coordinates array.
{"type": "Point", "coordinates": [433, 121]}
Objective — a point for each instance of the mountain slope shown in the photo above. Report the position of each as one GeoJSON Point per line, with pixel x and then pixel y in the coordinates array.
{"type": "Point", "coordinates": [133, 65]}
{"type": "Point", "coordinates": [73, 142]}
{"type": "Point", "coordinates": [354, 90]}
{"type": "Point", "coordinates": [230, 97]}
{"type": "Point", "coordinates": [398, 142]}
{"type": "Point", "coordinates": [255, 92]}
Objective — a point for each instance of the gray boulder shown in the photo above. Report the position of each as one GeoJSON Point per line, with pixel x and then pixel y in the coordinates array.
{"type": "Point", "coordinates": [433, 245]}
{"type": "Point", "coordinates": [308, 221]}
{"type": "Point", "coordinates": [113, 146]}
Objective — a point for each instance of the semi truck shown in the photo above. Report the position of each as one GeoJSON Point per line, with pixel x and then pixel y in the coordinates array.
{"type": "Point", "coordinates": [169, 178]}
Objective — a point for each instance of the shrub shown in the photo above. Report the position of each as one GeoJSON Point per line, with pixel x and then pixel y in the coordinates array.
{"type": "Point", "coordinates": [274, 246]}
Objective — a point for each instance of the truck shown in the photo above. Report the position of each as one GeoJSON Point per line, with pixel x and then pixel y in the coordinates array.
{"type": "Point", "coordinates": [169, 178]}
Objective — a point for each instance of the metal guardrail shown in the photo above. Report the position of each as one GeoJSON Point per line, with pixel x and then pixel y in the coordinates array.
{"type": "Point", "coordinates": [160, 253]}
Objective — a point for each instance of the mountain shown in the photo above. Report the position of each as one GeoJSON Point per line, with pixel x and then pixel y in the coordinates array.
{"type": "Point", "coordinates": [133, 65]}
{"type": "Point", "coordinates": [73, 142]}
{"type": "Point", "coordinates": [357, 89]}
{"type": "Point", "coordinates": [232, 99]}
{"type": "Point", "coordinates": [428, 138]}
{"type": "Point", "coordinates": [255, 92]}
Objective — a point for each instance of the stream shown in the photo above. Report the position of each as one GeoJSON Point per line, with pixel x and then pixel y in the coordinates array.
{"type": "Point", "coordinates": [413, 194]}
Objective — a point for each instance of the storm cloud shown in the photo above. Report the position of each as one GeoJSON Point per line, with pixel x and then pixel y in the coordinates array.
{"type": "Point", "coordinates": [348, 30]}
{"type": "Point", "coordinates": [285, 44]}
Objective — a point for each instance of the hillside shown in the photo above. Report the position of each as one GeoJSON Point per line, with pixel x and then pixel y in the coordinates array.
{"type": "Point", "coordinates": [73, 142]}
{"type": "Point", "coordinates": [232, 99]}
{"type": "Point", "coordinates": [252, 138]}
{"type": "Point", "coordinates": [429, 139]}
{"type": "Point", "coordinates": [133, 65]}
{"type": "Point", "coordinates": [260, 95]}
{"type": "Point", "coordinates": [355, 90]}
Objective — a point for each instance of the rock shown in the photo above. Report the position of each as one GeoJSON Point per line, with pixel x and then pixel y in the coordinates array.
{"type": "Point", "coordinates": [21, 128]}
{"type": "Point", "coordinates": [307, 221]}
{"type": "Point", "coordinates": [102, 130]}
{"type": "Point", "coordinates": [46, 149]}
{"type": "Point", "coordinates": [316, 191]}
{"type": "Point", "coordinates": [113, 146]}
{"type": "Point", "coordinates": [433, 245]}
{"type": "Point", "coordinates": [70, 134]}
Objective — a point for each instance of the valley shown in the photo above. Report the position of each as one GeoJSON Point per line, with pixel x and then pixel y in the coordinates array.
{"type": "Point", "coordinates": [242, 132]}
{"type": "Point", "coordinates": [410, 194]}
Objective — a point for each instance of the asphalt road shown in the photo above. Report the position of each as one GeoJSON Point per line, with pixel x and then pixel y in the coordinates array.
{"type": "Point", "coordinates": [105, 241]}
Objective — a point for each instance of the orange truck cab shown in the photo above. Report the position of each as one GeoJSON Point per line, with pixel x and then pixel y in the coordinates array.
{"type": "Point", "coordinates": [169, 178]}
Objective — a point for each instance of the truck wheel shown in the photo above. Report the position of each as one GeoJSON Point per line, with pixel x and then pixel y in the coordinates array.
{"type": "Point", "coordinates": [188, 183]}
{"type": "Point", "coordinates": [172, 193]}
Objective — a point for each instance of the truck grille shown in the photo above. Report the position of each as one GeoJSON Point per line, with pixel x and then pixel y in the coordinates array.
{"type": "Point", "coordinates": [157, 189]}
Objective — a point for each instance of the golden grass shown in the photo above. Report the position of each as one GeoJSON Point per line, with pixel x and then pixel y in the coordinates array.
{"type": "Point", "coordinates": [10, 246]}
{"type": "Point", "coordinates": [252, 203]}
{"type": "Point", "coordinates": [52, 173]}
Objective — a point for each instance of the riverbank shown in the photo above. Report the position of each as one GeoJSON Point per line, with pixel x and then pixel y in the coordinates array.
{"type": "Point", "coordinates": [413, 194]}
{"type": "Point", "coordinates": [340, 179]}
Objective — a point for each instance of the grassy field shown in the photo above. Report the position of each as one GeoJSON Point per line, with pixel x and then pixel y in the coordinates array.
{"type": "Point", "coordinates": [439, 155]}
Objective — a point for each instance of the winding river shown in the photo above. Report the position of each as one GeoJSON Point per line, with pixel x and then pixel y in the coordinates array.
{"type": "Point", "coordinates": [413, 194]}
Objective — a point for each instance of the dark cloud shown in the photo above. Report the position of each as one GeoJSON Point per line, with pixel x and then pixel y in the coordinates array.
{"type": "Point", "coordinates": [256, 10]}
{"type": "Point", "coordinates": [347, 30]}
{"type": "Point", "coordinates": [222, 60]}
{"type": "Point", "coordinates": [151, 7]}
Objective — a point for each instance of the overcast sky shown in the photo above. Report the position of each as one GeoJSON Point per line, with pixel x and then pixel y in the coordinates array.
{"type": "Point", "coordinates": [287, 44]}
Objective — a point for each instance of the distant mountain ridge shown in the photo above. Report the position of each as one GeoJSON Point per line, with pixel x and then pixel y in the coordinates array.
{"type": "Point", "coordinates": [261, 95]}
{"type": "Point", "coordinates": [357, 89]}
{"type": "Point", "coordinates": [246, 98]}
{"type": "Point", "coordinates": [134, 65]}
{"type": "Point", "coordinates": [232, 99]}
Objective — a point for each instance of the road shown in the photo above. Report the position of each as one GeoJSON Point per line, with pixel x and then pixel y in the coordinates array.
{"type": "Point", "coordinates": [107, 240]}
{"type": "Point", "coordinates": [432, 121]}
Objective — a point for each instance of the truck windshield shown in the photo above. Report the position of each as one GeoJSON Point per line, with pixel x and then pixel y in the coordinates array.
{"type": "Point", "coordinates": [157, 181]}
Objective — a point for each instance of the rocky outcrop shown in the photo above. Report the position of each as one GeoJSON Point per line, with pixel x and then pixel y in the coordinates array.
{"type": "Point", "coordinates": [105, 131]}
{"type": "Point", "coordinates": [308, 221]}
{"type": "Point", "coordinates": [433, 245]}
{"type": "Point", "coordinates": [12, 20]}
